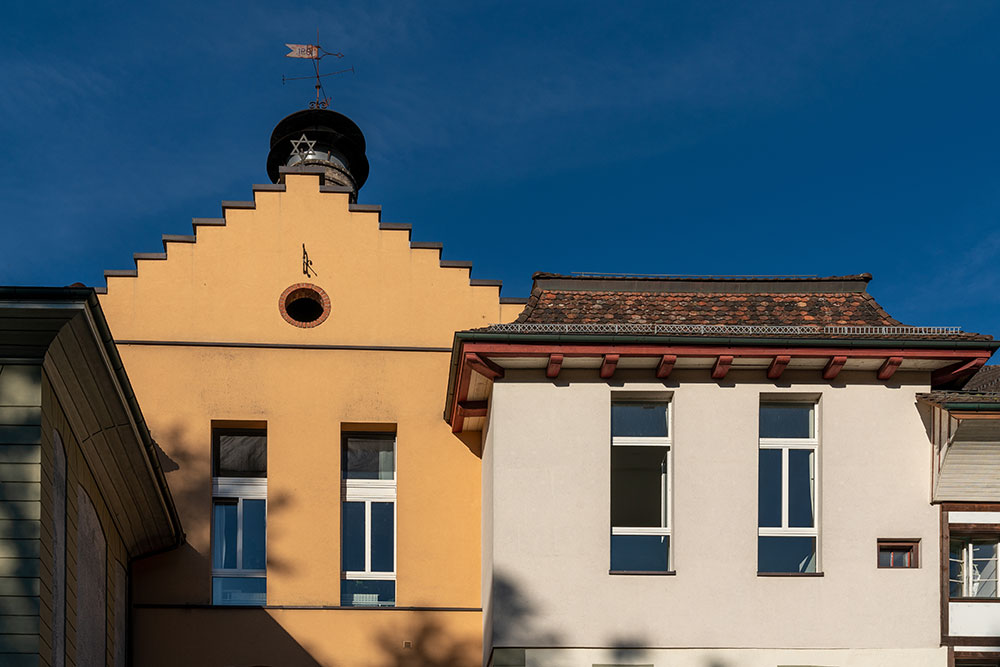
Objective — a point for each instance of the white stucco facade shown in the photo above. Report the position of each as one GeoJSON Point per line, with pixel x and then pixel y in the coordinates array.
{"type": "Point", "coordinates": [546, 528]}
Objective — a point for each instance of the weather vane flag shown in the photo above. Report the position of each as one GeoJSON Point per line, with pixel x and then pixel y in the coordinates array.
{"type": "Point", "coordinates": [310, 51]}
{"type": "Point", "coordinates": [315, 53]}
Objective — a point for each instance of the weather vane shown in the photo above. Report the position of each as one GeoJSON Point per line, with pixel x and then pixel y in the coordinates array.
{"type": "Point", "coordinates": [314, 52]}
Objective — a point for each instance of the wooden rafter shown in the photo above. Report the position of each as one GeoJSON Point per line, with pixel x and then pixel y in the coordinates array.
{"type": "Point", "coordinates": [555, 364]}
{"type": "Point", "coordinates": [722, 365]}
{"type": "Point", "coordinates": [665, 365]}
{"type": "Point", "coordinates": [833, 367]}
{"type": "Point", "coordinates": [608, 365]}
{"type": "Point", "coordinates": [889, 367]}
{"type": "Point", "coordinates": [777, 366]}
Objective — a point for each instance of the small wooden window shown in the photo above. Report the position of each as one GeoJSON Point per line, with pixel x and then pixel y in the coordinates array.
{"type": "Point", "coordinates": [898, 553]}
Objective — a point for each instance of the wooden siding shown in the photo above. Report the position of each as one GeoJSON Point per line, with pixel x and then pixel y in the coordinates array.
{"type": "Point", "coordinates": [970, 472]}
{"type": "Point", "coordinates": [106, 437]}
{"type": "Point", "coordinates": [79, 475]}
{"type": "Point", "coordinates": [21, 535]}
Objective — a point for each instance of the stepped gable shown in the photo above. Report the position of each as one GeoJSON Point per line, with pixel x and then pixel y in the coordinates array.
{"type": "Point", "coordinates": [280, 188]}
{"type": "Point", "coordinates": [803, 301]}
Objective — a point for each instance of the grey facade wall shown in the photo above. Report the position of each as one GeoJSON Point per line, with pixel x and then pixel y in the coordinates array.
{"type": "Point", "coordinates": [548, 550]}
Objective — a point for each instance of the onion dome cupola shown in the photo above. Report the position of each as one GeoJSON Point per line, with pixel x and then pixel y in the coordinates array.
{"type": "Point", "coordinates": [320, 138]}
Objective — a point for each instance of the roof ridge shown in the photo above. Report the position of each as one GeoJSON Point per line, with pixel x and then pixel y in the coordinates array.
{"type": "Point", "coordinates": [676, 277]}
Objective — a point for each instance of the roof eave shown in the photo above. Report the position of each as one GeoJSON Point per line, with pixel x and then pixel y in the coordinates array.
{"type": "Point", "coordinates": [930, 344]}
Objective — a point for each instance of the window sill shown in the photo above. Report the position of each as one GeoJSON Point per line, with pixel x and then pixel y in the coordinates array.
{"type": "Point", "coordinates": [789, 574]}
{"type": "Point", "coordinates": [977, 600]}
{"type": "Point", "coordinates": [643, 573]}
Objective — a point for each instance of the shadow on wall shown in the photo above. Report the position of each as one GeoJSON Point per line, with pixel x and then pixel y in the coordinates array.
{"type": "Point", "coordinates": [182, 575]}
{"type": "Point", "coordinates": [515, 617]}
{"type": "Point", "coordinates": [167, 633]}
{"type": "Point", "coordinates": [520, 621]}
{"type": "Point", "coordinates": [231, 637]}
{"type": "Point", "coordinates": [428, 644]}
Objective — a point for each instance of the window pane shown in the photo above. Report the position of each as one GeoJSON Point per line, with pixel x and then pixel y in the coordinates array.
{"type": "Point", "coordinates": [362, 593]}
{"type": "Point", "coordinates": [239, 590]}
{"type": "Point", "coordinates": [984, 550]}
{"type": "Point", "coordinates": [894, 557]}
{"type": "Point", "coordinates": [801, 488]}
{"type": "Point", "coordinates": [984, 588]}
{"type": "Point", "coordinates": [769, 488]}
{"type": "Point", "coordinates": [224, 530]}
{"type": "Point", "coordinates": [639, 419]}
{"type": "Point", "coordinates": [637, 479]}
{"type": "Point", "coordinates": [369, 458]}
{"type": "Point", "coordinates": [984, 570]}
{"type": "Point", "coordinates": [786, 554]}
{"type": "Point", "coordinates": [956, 569]}
{"type": "Point", "coordinates": [254, 523]}
{"type": "Point", "coordinates": [383, 533]}
{"type": "Point", "coordinates": [640, 553]}
{"type": "Point", "coordinates": [353, 539]}
{"type": "Point", "coordinates": [786, 420]}
{"type": "Point", "coordinates": [240, 455]}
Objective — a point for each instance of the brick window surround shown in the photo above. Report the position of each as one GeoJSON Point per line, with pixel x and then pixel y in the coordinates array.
{"type": "Point", "coordinates": [308, 291]}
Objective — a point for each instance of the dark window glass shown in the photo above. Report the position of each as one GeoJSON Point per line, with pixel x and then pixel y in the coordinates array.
{"type": "Point", "coordinates": [369, 457]}
{"type": "Point", "coordinates": [239, 590]}
{"type": "Point", "coordinates": [769, 488]}
{"type": "Point", "coordinates": [639, 419]}
{"type": "Point", "coordinates": [353, 538]}
{"type": "Point", "coordinates": [786, 554]}
{"type": "Point", "coordinates": [640, 553]}
{"type": "Point", "coordinates": [801, 491]}
{"type": "Point", "coordinates": [224, 531]}
{"type": "Point", "coordinates": [890, 556]}
{"type": "Point", "coordinates": [254, 523]}
{"type": "Point", "coordinates": [786, 420]}
{"type": "Point", "coordinates": [382, 537]}
{"type": "Point", "coordinates": [365, 593]}
{"type": "Point", "coordinates": [637, 478]}
{"type": "Point", "coordinates": [956, 569]}
{"type": "Point", "coordinates": [240, 453]}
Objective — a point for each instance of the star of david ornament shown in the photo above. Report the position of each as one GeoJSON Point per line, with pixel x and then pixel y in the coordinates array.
{"type": "Point", "coordinates": [297, 146]}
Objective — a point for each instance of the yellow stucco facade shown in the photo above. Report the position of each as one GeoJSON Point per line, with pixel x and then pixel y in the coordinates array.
{"type": "Point", "coordinates": [204, 344]}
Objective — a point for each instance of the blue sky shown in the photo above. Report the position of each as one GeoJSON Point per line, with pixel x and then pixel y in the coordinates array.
{"type": "Point", "coordinates": [701, 137]}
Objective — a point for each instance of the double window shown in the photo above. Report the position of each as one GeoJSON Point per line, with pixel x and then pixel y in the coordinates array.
{"type": "Point", "coordinates": [640, 486]}
{"type": "Point", "coordinates": [368, 520]}
{"type": "Point", "coordinates": [787, 489]}
{"type": "Point", "coordinates": [973, 567]}
{"type": "Point", "coordinates": [239, 517]}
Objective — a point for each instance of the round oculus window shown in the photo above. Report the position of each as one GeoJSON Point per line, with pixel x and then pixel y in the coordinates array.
{"type": "Point", "coordinates": [304, 305]}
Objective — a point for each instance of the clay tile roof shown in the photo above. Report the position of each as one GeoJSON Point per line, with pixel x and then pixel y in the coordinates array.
{"type": "Point", "coordinates": [966, 397]}
{"type": "Point", "coordinates": [986, 379]}
{"type": "Point", "coordinates": [759, 301]}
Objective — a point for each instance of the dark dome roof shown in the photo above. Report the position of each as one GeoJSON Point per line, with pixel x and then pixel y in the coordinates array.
{"type": "Point", "coordinates": [326, 127]}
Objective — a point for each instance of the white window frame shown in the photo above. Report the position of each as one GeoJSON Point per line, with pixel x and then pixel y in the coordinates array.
{"type": "Point", "coordinates": [238, 489]}
{"type": "Point", "coordinates": [666, 487]}
{"type": "Point", "coordinates": [371, 491]}
{"type": "Point", "coordinates": [967, 567]}
{"type": "Point", "coordinates": [784, 445]}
